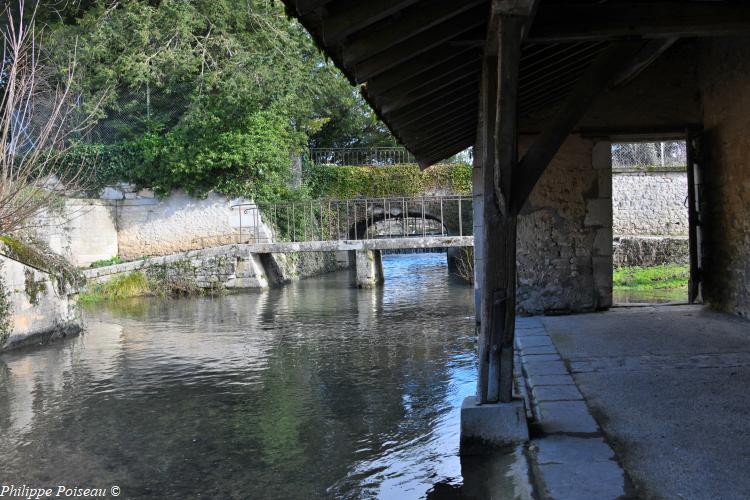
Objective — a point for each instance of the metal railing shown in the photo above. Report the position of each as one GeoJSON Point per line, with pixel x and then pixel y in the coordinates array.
{"type": "Point", "coordinates": [364, 218]}
{"type": "Point", "coordinates": [361, 156]}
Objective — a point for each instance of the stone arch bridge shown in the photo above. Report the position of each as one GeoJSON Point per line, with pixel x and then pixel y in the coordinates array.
{"type": "Point", "coordinates": [363, 227]}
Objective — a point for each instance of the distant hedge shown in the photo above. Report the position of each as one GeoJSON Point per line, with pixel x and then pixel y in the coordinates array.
{"type": "Point", "coordinates": [393, 180]}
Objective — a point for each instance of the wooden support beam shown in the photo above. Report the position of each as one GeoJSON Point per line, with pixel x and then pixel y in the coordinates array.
{"type": "Point", "coordinates": [498, 149]}
{"type": "Point", "coordinates": [412, 21]}
{"type": "Point", "coordinates": [419, 44]}
{"type": "Point", "coordinates": [358, 15]}
{"type": "Point", "coordinates": [571, 21]}
{"type": "Point", "coordinates": [608, 67]}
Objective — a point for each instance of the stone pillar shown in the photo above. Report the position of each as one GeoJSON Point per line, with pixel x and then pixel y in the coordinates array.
{"type": "Point", "coordinates": [599, 218]}
{"type": "Point", "coordinates": [249, 273]}
{"type": "Point", "coordinates": [369, 268]}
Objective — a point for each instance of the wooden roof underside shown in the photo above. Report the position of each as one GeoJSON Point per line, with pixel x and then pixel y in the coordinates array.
{"type": "Point", "coordinates": [419, 61]}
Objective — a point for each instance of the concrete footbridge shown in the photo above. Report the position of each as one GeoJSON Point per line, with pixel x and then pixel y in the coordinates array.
{"type": "Point", "coordinates": [364, 227]}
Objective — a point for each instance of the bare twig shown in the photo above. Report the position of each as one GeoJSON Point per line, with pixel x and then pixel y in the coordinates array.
{"type": "Point", "coordinates": [39, 117]}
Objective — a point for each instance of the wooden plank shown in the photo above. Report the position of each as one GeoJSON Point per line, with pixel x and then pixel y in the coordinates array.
{"type": "Point", "coordinates": [445, 109]}
{"type": "Point", "coordinates": [420, 65]}
{"type": "Point", "coordinates": [571, 21]}
{"type": "Point", "coordinates": [419, 44]}
{"type": "Point", "coordinates": [418, 96]}
{"type": "Point", "coordinates": [431, 77]}
{"type": "Point", "coordinates": [454, 148]}
{"type": "Point", "coordinates": [608, 66]}
{"type": "Point", "coordinates": [439, 140]}
{"type": "Point", "coordinates": [429, 123]}
{"type": "Point", "coordinates": [464, 92]}
{"type": "Point", "coordinates": [358, 15]}
{"type": "Point", "coordinates": [412, 21]}
{"type": "Point", "coordinates": [307, 6]}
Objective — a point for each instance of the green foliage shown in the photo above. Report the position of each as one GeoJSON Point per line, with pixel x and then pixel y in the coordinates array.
{"type": "Point", "coordinates": [205, 95]}
{"type": "Point", "coordinates": [669, 276]}
{"type": "Point", "coordinates": [120, 287]}
{"type": "Point", "coordinates": [168, 280]}
{"type": "Point", "coordinates": [395, 180]}
{"type": "Point", "coordinates": [107, 262]}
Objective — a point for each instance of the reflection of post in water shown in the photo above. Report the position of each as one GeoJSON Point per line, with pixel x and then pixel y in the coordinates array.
{"type": "Point", "coordinates": [505, 469]}
{"type": "Point", "coordinates": [369, 307]}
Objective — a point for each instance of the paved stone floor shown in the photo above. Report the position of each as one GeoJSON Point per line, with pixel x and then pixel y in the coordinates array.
{"type": "Point", "coordinates": [670, 388]}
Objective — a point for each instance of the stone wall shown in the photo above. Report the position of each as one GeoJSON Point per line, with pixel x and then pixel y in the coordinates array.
{"type": "Point", "coordinates": [148, 226]}
{"type": "Point", "coordinates": [227, 267]}
{"type": "Point", "coordinates": [649, 203]}
{"type": "Point", "coordinates": [725, 70]}
{"type": "Point", "coordinates": [83, 231]}
{"type": "Point", "coordinates": [87, 230]}
{"type": "Point", "coordinates": [645, 251]}
{"type": "Point", "coordinates": [565, 233]}
{"type": "Point", "coordinates": [40, 309]}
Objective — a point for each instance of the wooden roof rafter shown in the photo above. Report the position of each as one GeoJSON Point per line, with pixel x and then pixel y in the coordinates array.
{"type": "Point", "coordinates": [419, 60]}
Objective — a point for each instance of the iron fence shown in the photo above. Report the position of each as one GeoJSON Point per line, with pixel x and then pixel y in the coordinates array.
{"type": "Point", "coordinates": [361, 156]}
{"type": "Point", "coordinates": [356, 219]}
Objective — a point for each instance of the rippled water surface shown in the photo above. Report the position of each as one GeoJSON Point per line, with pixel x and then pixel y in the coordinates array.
{"type": "Point", "coordinates": [312, 390]}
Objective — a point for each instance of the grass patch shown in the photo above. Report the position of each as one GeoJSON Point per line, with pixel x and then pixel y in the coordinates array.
{"type": "Point", "coordinates": [664, 277]}
{"type": "Point", "coordinates": [106, 262]}
{"type": "Point", "coordinates": [126, 286]}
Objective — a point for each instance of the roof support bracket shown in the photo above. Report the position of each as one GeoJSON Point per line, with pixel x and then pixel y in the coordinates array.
{"type": "Point", "coordinates": [614, 65]}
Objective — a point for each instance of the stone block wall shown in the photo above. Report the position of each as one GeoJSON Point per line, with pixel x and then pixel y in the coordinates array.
{"type": "Point", "coordinates": [647, 251]}
{"type": "Point", "coordinates": [565, 233]}
{"type": "Point", "coordinates": [725, 72]}
{"type": "Point", "coordinates": [83, 231]}
{"type": "Point", "coordinates": [87, 230]}
{"type": "Point", "coordinates": [650, 203]}
{"type": "Point", "coordinates": [40, 310]}
{"type": "Point", "coordinates": [227, 267]}
{"type": "Point", "coordinates": [149, 226]}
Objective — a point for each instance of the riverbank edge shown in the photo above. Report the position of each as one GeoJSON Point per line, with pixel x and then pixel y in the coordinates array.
{"type": "Point", "coordinates": [568, 452]}
{"type": "Point", "coordinates": [37, 307]}
{"type": "Point", "coordinates": [222, 269]}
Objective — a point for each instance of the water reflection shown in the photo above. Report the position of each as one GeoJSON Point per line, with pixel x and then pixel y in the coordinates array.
{"type": "Point", "coordinates": [312, 390]}
{"type": "Point", "coordinates": [658, 296]}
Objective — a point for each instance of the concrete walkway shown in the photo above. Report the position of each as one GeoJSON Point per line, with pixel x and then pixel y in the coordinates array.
{"type": "Point", "coordinates": [670, 388]}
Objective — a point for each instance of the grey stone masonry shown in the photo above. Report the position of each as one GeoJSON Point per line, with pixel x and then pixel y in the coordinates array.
{"type": "Point", "coordinates": [570, 458]}
{"type": "Point", "coordinates": [369, 268]}
{"type": "Point", "coordinates": [229, 267]}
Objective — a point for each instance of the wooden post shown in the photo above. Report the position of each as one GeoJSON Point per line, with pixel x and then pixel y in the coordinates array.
{"type": "Point", "coordinates": [499, 156]}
